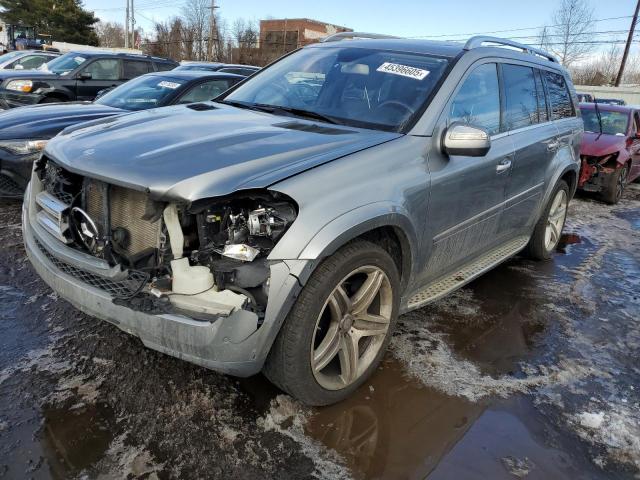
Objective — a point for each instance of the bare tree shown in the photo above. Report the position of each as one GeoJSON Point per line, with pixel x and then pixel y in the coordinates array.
{"type": "Point", "coordinates": [110, 34]}
{"type": "Point", "coordinates": [246, 37]}
{"type": "Point", "coordinates": [600, 70]}
{"type": "Point", "coordinates": [571, 31]}
{"type": "Point", "coordinates": [196, 14]}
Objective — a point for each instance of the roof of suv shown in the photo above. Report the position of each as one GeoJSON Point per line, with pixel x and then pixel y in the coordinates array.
{"type": "Point", "coordinates": [441, 48]}
{"type": "Point", "coordinates": [131, 56]}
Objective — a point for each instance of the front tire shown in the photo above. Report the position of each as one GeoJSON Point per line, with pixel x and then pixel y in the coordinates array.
{"type": "Point", "coordinates": [339, 328]}
{"type": "Point", "coordinates": [616, 184]}
{"type": "Point", "coordinates": [546, 234]}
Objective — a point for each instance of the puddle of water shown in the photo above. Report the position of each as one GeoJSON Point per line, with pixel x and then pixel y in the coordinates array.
{"type": "Point", "coordinates": [511, 440]}
{"type": "Point", "coordinates": [566, 241]}
{"type": "Point", "coordinates": [74, 440]}
{"type": "Point", "coordinates": [392, 427]}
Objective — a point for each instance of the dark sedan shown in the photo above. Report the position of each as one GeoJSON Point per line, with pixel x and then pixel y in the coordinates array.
{"type": "Point", "coordinates": [24, 131]}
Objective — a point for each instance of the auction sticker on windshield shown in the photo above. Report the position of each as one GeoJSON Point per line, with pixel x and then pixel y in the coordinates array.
{"type": "Point", "coordinates": [171, 85]}
{"type": "Point", "coordinates": [404, 70]}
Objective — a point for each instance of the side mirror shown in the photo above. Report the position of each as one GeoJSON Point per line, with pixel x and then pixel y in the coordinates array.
{"type": "Point", "coordinates": [85, 76]}
{"type": "Point", "coordinates": [466, 140]}
{"type": "Point", "coordinates": [18, 67]}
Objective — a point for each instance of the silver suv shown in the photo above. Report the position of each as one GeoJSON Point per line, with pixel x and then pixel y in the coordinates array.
{"type": "Point", "coordinates": [285, 225]}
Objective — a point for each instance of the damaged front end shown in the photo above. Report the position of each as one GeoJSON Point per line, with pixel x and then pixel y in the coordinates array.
{"type": "Point", "coordinates": [595, 171]}
{"type": "Point", "coordinates": [189, 264]}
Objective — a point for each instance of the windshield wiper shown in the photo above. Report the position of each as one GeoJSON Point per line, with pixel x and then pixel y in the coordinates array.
{"type": "Point", "coordinates": [265, 107]}
{"type": "Point", "coordinates": [299, 112]}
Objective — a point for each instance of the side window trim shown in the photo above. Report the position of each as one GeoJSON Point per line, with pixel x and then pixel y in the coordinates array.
{"type": "Point", "coordinates": [547, 104]}
{"type": "Point", "coordinates": [503, 99]}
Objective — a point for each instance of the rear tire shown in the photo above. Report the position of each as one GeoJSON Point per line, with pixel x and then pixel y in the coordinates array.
{"type": "Point", "coordinates": [546, 234]}
{"type": "Point", "coordinates": [615, 186]}
{"type": "Point", "coordinates": [321, 355]}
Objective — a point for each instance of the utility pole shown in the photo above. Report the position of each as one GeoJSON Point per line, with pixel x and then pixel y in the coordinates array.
{"type": "Point", "coordinates": [213, 33]}
{"type": "Point", "coordinates": [133, 27]}
{"type": "Point", "coordinates": [126, 28]}
{"type": "Point", "coordinates": [628, 45]}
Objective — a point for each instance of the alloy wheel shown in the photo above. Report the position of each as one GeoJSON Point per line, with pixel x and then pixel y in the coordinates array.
{"type": "Point", "coordinates": [351, 327]}
{"type": "Point", "coordinates": [621, 183]}
{"type": "Point", "coordinates": [555, 220]}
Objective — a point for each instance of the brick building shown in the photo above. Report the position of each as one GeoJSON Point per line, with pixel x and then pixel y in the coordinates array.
{"type": "Point", "coordinates": [278, 37]}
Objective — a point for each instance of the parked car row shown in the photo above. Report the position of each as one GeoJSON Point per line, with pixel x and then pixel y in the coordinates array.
{"type": "Point", "coordinates": [283, 222]}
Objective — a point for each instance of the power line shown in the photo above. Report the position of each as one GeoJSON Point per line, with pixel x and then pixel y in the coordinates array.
{"type": "Point", "coordinates": [514, 29]}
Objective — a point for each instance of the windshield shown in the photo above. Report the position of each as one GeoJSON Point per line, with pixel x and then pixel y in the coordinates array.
{"type": "Point", "coordinates": [10, 55]}
{"type": "Point", "coordinates": [197, 67]}
{"type": "Point", "coordinates": [613, 123]}
{"type": "Point", "coordinates": [352, 86]}
{"type": "Point", "coordinates": [64, 64]}
{"type": "Point", "coordinates": [148, 91]}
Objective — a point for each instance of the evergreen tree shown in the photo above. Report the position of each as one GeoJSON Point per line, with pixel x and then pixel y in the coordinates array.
{"type": "Point", "coordinates": [64, 20]}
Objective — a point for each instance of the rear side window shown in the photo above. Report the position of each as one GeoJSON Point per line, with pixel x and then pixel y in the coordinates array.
{"type": "Point", "coordinates": [165, 67]}
{"type": "Point", "coordinates": [521, 99]}
{"type": "Point", "coordinates": [559, 98]}
{"type": "Point", "coordinates": [478, 100]}
{"type": "Point", "coordinates": [135, 68]}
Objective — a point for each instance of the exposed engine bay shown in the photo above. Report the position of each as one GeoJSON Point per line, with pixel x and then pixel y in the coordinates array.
{"type": "Point", "coordinates": [207, 258]}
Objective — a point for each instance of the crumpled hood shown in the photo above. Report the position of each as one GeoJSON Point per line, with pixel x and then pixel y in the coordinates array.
{"type": "Point", "coordinates": [47, 120]}
{"type": "Point", "coordinates": [181, 153]}
{"type": "Point", "coordinates": [596, 145]}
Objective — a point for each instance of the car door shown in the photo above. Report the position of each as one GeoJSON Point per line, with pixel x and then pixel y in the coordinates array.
{"type": "Point", "coordinates": [467, 193]}
{"type": "Point", "coordinates": [97, 75]}
{"type": "Point", "coordinates": [535, 140]}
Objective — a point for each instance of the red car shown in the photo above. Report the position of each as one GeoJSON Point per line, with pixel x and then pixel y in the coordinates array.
{"type": "Point", "coordinates": [610, 150]}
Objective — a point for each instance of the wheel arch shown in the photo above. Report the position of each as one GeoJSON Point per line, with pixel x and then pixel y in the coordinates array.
{"type": "Point", "coordinates": [384, 224]}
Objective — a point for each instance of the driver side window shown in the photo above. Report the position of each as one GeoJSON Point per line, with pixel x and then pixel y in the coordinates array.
{"type": "Point", "coordinates": [478, 100]}
{"type": "Point", "coordinates": [104, 69]}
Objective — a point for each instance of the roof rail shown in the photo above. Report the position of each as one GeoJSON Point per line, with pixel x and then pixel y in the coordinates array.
{"type": "Point", "coordinates": [336, 37]}
{"type": "Point", "coordinates": [480, 40]}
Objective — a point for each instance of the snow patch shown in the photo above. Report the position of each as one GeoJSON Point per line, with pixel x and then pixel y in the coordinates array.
{"type": "Point", "coordinates": [289, 418]}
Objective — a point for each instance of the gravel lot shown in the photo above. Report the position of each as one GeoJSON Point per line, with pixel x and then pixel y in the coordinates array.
{"type": "Point", "coordinates": [529, 372]}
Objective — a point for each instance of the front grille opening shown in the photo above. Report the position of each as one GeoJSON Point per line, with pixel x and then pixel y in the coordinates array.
{"type": "Point", "coordinates": [125, 289]}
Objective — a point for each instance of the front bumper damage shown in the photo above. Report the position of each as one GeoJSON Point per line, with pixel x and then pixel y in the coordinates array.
{"type": "Point", "coordinates": [235, 344]}
{"type": "Point", "coordinates": [594, 176]}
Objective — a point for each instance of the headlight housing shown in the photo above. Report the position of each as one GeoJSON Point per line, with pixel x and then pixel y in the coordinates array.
{"type": "Point", "coordinates": [20, 85]}
{"type": "Point", "coordinates": [23, 147]}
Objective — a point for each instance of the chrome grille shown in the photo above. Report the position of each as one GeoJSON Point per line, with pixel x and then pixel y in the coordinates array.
{"type": "Point", "coordinates": [124, 289]}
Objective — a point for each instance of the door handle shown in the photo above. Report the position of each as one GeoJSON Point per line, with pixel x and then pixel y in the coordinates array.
{"type": "Point", "coordinates": [504, 165]}
{"type": "Point", "coordinates": [553, 145]}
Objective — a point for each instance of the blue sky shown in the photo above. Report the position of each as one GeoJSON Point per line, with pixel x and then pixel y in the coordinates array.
{"type": "Point", "coordinates": [405, 17]}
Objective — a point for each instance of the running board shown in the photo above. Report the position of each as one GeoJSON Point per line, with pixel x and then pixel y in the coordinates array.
{"type": "Point", "coordinates": [464, 275]}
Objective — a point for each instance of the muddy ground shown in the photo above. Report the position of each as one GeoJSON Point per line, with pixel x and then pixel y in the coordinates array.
{"type": "Point", "coordinates": [532, 371]}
